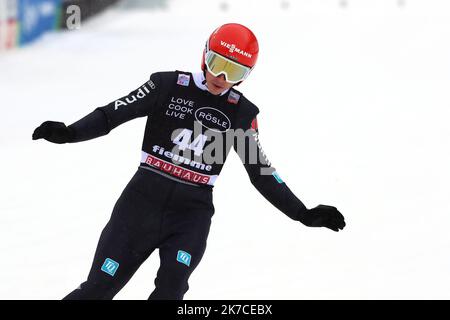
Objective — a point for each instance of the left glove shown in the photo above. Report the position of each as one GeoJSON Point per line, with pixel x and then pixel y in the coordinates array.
{"type": "Point", "coordinates": [323, 216]}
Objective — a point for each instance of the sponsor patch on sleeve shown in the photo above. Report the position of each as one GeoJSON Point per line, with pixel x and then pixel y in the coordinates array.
{"type": "Point", "coordinates": [233, 97]}
{"type": "Point", "coordinates": [183, 80]}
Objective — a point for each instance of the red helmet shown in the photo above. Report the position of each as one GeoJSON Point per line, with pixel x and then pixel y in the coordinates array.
{"type": "Point", "coordinates": [235, 42]}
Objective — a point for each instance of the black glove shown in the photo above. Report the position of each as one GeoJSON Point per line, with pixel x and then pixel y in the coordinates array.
{"type": "Point", "coordinates": [323, 216]}
{"type": "Point", "coordinates": [56, 132]}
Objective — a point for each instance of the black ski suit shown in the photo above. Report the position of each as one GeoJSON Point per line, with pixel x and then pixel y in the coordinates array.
{"type": "Point", "coordinates": [168, 202]}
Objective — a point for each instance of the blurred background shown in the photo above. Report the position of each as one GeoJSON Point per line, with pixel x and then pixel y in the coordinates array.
{"type": "Point", "coordinates": [354, 99]}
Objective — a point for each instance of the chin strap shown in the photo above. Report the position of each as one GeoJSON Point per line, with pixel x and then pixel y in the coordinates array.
{"type": "Point", "coordinates": [204, 74]}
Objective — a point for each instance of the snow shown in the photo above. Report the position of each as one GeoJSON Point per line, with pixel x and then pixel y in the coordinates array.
{"type": "Point", "coordinates": [354, 104]}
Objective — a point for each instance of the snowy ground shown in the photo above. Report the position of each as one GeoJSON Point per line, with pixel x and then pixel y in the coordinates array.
{"type": "Point", "coordinates": [354, 112]}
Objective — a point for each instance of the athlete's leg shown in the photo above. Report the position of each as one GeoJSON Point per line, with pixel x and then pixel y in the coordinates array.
{"type": "Point", "coordinates": [125, 243]}
{"type": "Point", "coordinates": [114, 264]}
{"type": "Point", "coordinates": [180, 254]}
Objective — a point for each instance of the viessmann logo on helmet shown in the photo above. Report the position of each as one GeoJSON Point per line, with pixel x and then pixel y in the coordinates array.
{"type": "Point", "coordinates": [233, 48]}
{"type": "Point", "coordinates": [213, 119]}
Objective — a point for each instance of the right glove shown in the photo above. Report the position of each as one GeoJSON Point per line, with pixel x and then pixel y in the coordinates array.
{"type": "Point", "coordinates": [56, 132]}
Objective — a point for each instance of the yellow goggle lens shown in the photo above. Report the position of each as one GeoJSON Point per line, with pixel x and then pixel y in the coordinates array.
{"type": "Point", "coordinates": [217, 65]}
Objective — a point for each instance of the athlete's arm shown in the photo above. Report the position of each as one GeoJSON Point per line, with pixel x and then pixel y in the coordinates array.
{"type": "Point", "coordinates": [102, 120]}
{"type": "Point", "coordinates": [266, 180]}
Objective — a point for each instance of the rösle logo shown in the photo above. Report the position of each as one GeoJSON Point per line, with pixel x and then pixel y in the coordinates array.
{"type": "Point", "coordinates": [213, 119]}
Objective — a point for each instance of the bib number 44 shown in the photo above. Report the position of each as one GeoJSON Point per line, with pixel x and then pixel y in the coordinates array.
{"type": "Point", "coordinates": [183, 140]}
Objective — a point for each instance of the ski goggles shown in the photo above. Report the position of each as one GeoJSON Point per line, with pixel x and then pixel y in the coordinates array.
{"type": "Point", "coordinates": [233, 71]}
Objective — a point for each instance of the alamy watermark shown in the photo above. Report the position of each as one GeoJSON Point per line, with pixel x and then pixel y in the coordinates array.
{"type": "Point", "coordinates": [191, 148]}
{"type": "Point", "coordinates": [73, 18]}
